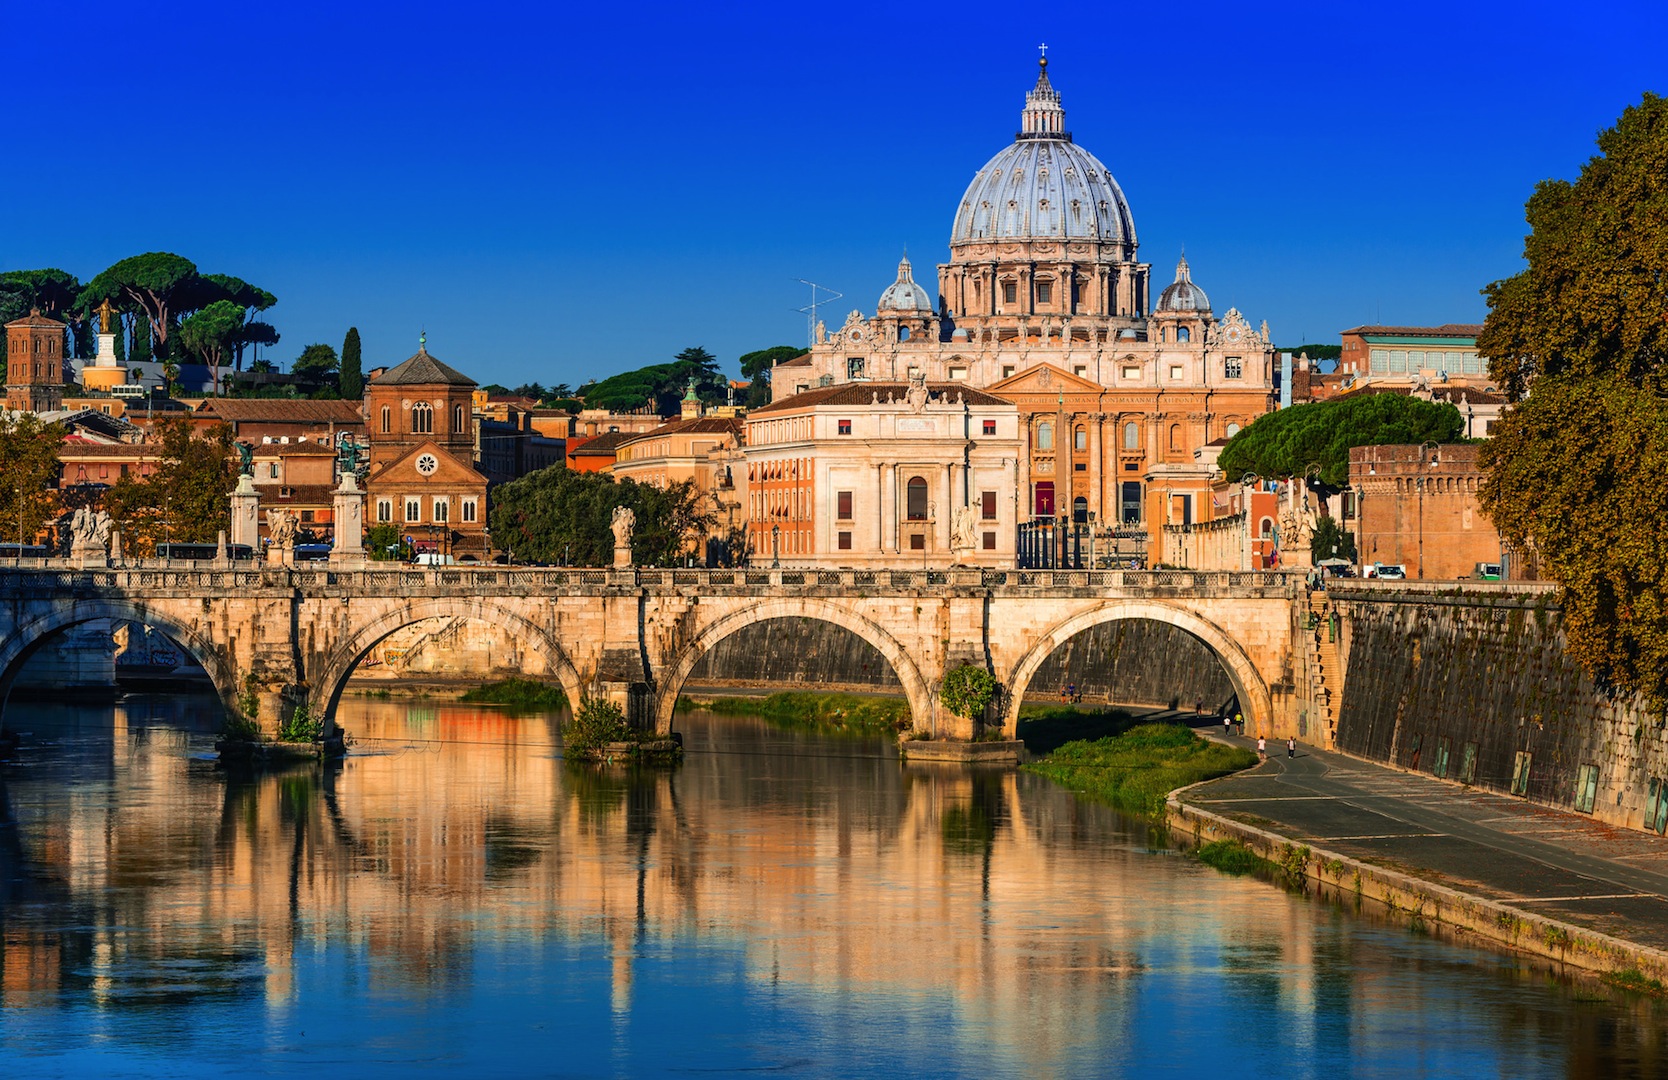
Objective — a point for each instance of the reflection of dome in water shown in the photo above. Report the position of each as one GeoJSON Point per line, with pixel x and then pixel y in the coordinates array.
{"type": "Point", "coordinates": [1043, 186]}
{"type": "Point", "coordinates": [1183, 295]}
{"type": "Point", "coordinates": [903, 294]}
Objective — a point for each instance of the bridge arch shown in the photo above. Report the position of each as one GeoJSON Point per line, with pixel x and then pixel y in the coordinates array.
{"type": "Point", "coordinates": [29, 636]}
{"type": "Point", "coordinates": [1255, 700]}
{"type": "Point", "coordinates": [903, 666]}
{"type": "Point", "coordinates": [331, 674]}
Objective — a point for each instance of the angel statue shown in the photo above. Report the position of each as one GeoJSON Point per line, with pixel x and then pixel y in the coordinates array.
{"type": "Point", "coordinates": [623, 522]}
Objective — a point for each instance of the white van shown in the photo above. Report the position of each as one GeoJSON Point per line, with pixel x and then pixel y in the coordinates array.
{"type": "Point", "coordinates": [1386, 570]}
{"type": "Point", "coordinates": [434, 558]}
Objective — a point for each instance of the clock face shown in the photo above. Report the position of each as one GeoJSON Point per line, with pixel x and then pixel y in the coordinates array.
{"type": "Point", "coordinates": [427, 464]}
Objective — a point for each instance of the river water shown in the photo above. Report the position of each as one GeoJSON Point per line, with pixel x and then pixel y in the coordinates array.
{"type": "Point", "coordinates": [455, 897]}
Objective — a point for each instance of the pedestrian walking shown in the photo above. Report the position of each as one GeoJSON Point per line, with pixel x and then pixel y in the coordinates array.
{"type": "Point", "coordinates": [1262, 748]}
{"type": "Point", "coordinates": [1199, 707]}
{"type": "Point", "coordinates": [1291, 747]}
{"type": "Point", "coordinates": [1227, 725]}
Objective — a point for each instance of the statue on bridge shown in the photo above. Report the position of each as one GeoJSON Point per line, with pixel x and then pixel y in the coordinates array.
{"type": "Point", "coordinates": [624, 520]}
{"type": "Point", "coordinates": [245, 458]}
{"type": "Point", "coordinates": [90, 534]}
{"type": "Point", "coordinates": [964, 524]}
{"type": "Point", "coordinates": [281, 527]}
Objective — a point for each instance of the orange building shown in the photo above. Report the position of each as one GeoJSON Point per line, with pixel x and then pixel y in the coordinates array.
{"type": "Point", "coordinates": [1416, 506]}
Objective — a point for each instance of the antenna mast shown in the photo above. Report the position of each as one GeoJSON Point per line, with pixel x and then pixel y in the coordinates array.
{"type": "Point", "coordinates": [810, 311]}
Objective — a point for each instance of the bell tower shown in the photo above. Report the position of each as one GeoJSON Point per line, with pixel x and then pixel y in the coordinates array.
{"type": "Point", "coordinates": [34, 364]}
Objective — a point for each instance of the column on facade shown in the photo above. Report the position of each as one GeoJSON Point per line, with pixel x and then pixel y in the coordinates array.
{"type": "Point", "coordinates": [880, 507]}
{"type": "Point", "coordinates": [947, 509]}
{"type": "Point", "coordinates": [1023, 468]}
{"type": "Point", "coordinates": [893, 509]}
{"type": "Point", "coordinates": [1097, 466]}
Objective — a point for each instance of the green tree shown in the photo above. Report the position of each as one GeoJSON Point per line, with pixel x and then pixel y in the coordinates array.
{"type": "Point", "coordinates": [1331, 541]}
{"type": "Point", "coordinates": [1591, 302]}
{"type": "Point", "coordinates": [352, 379]}
{"type": "Point", "coordinates": [967, 690]}
{"type": "Point", "coordinates": [316, 366]}
{"type": "Point", "coordinates": [756, 366]}
{"type": "Point", "coordinates": [660, 385]}
{"type": "Point", "coordinates": [29, 473]}
{"type": "Point", "coordinates": [187, 497]}
{"type": "Point", "coordinates": [556, 515]}
{"type": "Point", "coordinates": [213, 333]}
{"type": "Point", "coordinates": [1287, 442]}
{"type": "Point", "coordinates": [1578, 468]}
{"type": "Point", "coordinates": [158, 284]}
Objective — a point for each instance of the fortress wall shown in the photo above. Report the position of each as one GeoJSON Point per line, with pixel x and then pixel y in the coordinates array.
{"type": "Point", "coordinates": [1481, 679]}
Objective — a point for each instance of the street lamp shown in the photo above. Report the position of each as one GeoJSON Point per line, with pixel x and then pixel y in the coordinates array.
{"type": "Point", "coordinates": [19, 559]}
{"type": "Point", "coordinates": [775, 547]}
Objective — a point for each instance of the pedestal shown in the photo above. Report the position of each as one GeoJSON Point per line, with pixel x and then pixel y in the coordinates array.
{"type": "Point", "coordinates": [349, 514]}
{"type": "Point", "coordinates": [246, 514]}
{"type": "Point", "coordinates": [622, 556]}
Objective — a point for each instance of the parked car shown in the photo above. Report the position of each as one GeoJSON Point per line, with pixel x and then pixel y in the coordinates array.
{"type": "Point", "coordinates": [1386, 570]}
{"type": "Point", "coordinates": [1487, 571]}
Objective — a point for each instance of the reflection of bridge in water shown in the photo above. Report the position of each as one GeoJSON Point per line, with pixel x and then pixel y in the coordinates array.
{"type": "Point", "coordinates": [635, 635]}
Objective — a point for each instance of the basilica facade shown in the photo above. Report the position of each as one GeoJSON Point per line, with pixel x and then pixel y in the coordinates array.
{"type": "Point", "coordinates": [1044, 302]}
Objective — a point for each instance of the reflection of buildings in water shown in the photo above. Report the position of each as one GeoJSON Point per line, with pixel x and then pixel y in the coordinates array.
{"type": "Point", "coordinates": [1030, 918]}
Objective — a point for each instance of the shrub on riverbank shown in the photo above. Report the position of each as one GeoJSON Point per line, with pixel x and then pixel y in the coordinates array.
{"type": "Point", "coordinates": [1135, 770]}
{"type": "Point", "coordinates": [805, 708]}
{"type": "Point", "coordinates": [519, 693]}
{"type": "Point", "coordinates": [1229, 856]}
{"type": "Point", "coordinates": [1046, 728]}
{"type": "Point", "coordinates": [595, 724]}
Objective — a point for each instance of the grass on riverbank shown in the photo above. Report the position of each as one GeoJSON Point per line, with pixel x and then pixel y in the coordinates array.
{"type": "Point", "coordinates": [1045, 728]}
{"type": "Point", "coordinates": [812, 709]}
{"type": "Point", "coordinates": [1133, 771]}
{"type": "Point", "coordinates": [519, 694]}
{"type": "Point", "coordinates": [1229, 856]}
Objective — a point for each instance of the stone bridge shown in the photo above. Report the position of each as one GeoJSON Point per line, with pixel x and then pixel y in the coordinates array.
{"type": "Point", "coordinates": [271, 638]}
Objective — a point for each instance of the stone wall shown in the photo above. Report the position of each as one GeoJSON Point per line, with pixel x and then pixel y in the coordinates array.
{"type": "Point", "coordinates": [795, 654]}
{"type": "Point", "coordinates": [1461, 685]}
{"type": "Point", "coordinates": [1135, 662]}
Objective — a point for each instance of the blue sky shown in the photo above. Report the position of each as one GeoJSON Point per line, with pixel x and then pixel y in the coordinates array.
{"type": "Point", "coordinates": [557, 192]}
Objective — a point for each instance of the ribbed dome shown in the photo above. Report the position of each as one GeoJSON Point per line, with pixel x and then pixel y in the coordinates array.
{"type": "Point", "coordinates": [904, 294]}
{"type": "Point", "coordinates": [1183, 295]}
{"type": "Point", "coordinates": [1043, 186]}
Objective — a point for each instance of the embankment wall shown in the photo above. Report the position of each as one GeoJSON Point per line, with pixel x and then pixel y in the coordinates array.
{"type": "Point", "coordinates": [1474, 686]}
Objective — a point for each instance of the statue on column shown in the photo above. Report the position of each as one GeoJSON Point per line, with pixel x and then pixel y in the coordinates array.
{"type": "Point", "coordinates": [964, 525]}
{"type": "Point", "coordinates": [281, 527]}
{"type": "Point", "coordinates": [623, 521]}
{"type": "Point", "coordinates": [90, 534]}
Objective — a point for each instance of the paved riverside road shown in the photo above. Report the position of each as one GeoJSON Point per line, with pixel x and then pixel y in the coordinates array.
{"type": "Point", "coordinates": [1556, 864]}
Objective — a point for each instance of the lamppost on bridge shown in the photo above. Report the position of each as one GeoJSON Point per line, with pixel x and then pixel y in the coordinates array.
{"type": "Point", "coordinates": [775, 547]}
{"type": "Point", "coordinates": [19, 560]}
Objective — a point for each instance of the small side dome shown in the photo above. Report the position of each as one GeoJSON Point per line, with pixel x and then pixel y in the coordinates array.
{"type": "Point", "coordinates": [1183, 295]}
{"type": "Point", "coordinates": [903, 294]}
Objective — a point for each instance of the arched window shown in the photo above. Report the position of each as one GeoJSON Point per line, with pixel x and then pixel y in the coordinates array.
{"type": "Point", "coordinates": [422, 419]}
{"type": "Point", "coordinates": [1183, 334]}
{"type": "Point", "coordinates": [1045, 436]}
{"type": "Point", "coordinates": [1132, 436]}
{"type": "Point", "coordinates": [1080, 510]}
{"type": "Point", "coordinates": [903, 333]}
{"type": "Point", "coordinates": [1266, 529]}
{"type": "Point", "coordinates": [917, 503]}
{"type": "Point", "coordinates": [1233, 429]}
{"type": "Point", "coordinates": [1081, 439]}
{"type": "Point", "coordinates": [457, 419]}
{"type": "Point", "coordinates": [386, 420]}
{"type": "Point", "coordinates": [1175, 437]}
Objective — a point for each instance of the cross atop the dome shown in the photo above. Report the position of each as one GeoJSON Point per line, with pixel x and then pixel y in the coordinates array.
{"type": "Point", "coordinates": [1044, 49]}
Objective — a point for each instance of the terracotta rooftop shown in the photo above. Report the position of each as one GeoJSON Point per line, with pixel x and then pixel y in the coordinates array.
{"type": "Point", "coordinates": [35, 318]}
{"type": "Point", "coordinates": [717, 425]}
{"type": "Point", "coordinates": [1445, 330]}
{"type": "Point", "coordinates": [798, 361]}
{"type": "Point", "coordinates": [281, 411]}
{"type": "Point", "coordinates": [422, 370]}
{"type": "Point", "coordinates": [295, 449]}
{"type": "Point", "coordinates": [321, 494]}
{"type": "Point", "coordinates": [602, 445]}
{"type": "Point", "coordinates": [865, 393]}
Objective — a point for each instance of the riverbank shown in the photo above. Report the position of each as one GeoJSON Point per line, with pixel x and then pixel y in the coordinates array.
{"type": "Point", "coordinates": [1134, 765]}
{"type": "Point", "coordinates": [1477, 867]}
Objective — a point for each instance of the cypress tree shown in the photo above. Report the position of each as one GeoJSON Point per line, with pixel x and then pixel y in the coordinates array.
{"type": "Point", "coordinates": [352, 374]}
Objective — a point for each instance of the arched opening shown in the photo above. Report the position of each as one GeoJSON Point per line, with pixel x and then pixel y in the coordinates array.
{"type": "Point", "coordinates": [1183, 334]}
{"type": "Point", "coordinates": [1045, 436]}
{"type": "Point", "coordinates": [1080, 510]}
{"type": "Point", "coordinates": [445, 639]}
{"type": "Point", "coordinates": [100, 648]}
{"type": "Point", "coordinates": [851, 651]}
{"type": "Point", "coordinates": [1140, 654]}
{"type": "Point", "coordinates": [916, 509]}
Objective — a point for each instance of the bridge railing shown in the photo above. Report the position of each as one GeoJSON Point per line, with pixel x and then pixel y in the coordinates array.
{"type": "Point", "coordinates": [389, 577]}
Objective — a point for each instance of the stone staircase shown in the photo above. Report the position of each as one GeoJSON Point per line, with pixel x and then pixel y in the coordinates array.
{"type": "Point", "coordinates": [1326, 673]}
